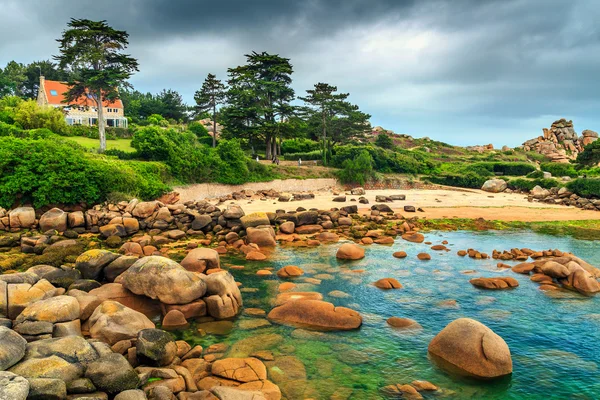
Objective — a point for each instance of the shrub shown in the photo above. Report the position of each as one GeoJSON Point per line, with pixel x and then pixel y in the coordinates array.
{"type": "Point", "coordinates": [384, 140]}
{"type": "Point", "coordinates": [527, 184]}
{"type": "Point", "coordinates": [590, 154]}
{"type": "Point", "coordinates": [466, 180]}
{"type": "Point", "coordinates": [585, 187]}
{"type": "Point", "coordinates": [535, 174]}
{"type": "Point", "coordinates": [10, 130]}
{"type": "Point", "coordinates": [358, 170]}
{"type": "Point", "coordinates": [512, 168]}
{"type": "Point", "coordinates": [312, 155]}
{"type": "Point", "coordinates": [122, 155]}
{"type": "Point", "coordinates": [299, 145]}
{"type": "Point", "coordinates": [28, 115]}
{"type": "Point", "coordinates": [232, 166]}
{"type": "Point", "coordinates": [400, 161]}
{"type": "Point", "coordinates": [152, 143]}
{"type": "Point", "coordinates": [158, 120]}
{"type": "Point", "coordinates": [201, 133]}
{"type": "Point", "coordinates": [559, 169]}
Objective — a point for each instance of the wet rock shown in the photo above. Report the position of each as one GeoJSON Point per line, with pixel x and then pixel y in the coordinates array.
{"type": "Point", "coordinates": [112, 373]}
{"type": "Point", "coordinates": [523, 268]}
{"type": "Point", "coordinates": [225, 299]}
{"type": "Point", "coordinates": [261, 236]}
{"type": "Point", "coordinates": [400, 254]}
{"type": "Point", "coordinates": [403, 323]}
{"type": "Point", "coordinates": [13, 387]}
{"type": "Point", "coordinates": [174, 319]}
{"type": "Point", "coordinates": [112, 322]}
{"type": "Point", "coordinates": [155, 347]}
{"type": "Point", "coordinates": [315, 315]}
{"type": "Point", "coordinates": [494, 283]}
{"type": "Point", "coordinates": [231, 393]}
{"type": "Point", "coordinates": [240, 369]}
{"type": "Point", "coordinates": [290, 271]}
{"type": "Point", "coordinates": [349, 251]}
{"type": "Point", "coordinates": [200, 259]}
{"type": "Point", "coordinates": [12, 348]}
{"type": "Point", "coordinates": [255, 256]}
{"type": "Point", "coordinates": [254, 220]}
{"type": "Point", "coordinates": [554, 269]}
{"type": "Point", "coordinates": [388, 283]}
{"type": "Point", "coordinates": [584, 282]}
{"type": "Point", "coordinates": [467, 347]}
{"type": "Point", "coordinates": [287, 227]}
{"type": "Point", "coordinates": [423, 256]}
{"type": "Point", "coordinates": [414, 237]}
{"type": "Point", "coordinates": [163, 279]}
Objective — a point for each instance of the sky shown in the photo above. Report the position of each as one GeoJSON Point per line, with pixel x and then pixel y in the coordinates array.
{"type": "Point", "coordinates": [464, 72]}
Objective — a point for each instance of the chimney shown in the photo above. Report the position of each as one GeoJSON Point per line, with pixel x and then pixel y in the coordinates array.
{"type": "Point", "coordinates": [41, 92]}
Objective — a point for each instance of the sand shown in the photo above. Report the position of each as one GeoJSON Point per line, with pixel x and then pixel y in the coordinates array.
{"type": "Point", "coordinates": [442, 204]}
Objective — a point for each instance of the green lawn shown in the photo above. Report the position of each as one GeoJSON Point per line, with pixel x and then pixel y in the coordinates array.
{"type": "Point", "coordinates": [118, 144]}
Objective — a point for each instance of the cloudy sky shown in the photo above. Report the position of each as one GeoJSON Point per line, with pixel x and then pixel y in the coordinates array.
{"type": "Point", "coordinates": [460, 71]}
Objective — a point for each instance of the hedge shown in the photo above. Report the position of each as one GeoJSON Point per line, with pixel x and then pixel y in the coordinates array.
{"type": "Point", "coordinates": [466, 180]}
{"type": "Point", "coordinates": [559, 169]}
{"type": "Point", "coordinates": [311, 155]}
{"type": "Point", "coordinates": [585, 187]}
{"type": "Point", "coordinates": [527, 184]}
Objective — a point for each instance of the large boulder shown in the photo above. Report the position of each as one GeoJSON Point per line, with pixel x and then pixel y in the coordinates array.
{"type": "Point", "coordinates": [494, 185]}
{"type": "Point", "coordinates": [163, 279]}
{"type": "Point", "coordinates": [469, 348]}
{"type": "Point", "coordinates": [21, 217]}
{"type": "Point", "coordinates": [504, 282]}
{"type": "Point", "coordinates": [255, 219]}
{"type": "Point", "coordinates": [224, 299]}
{"type": "Point", "coordinates": [112, 373]}
{"type": "Point", "coordinates": [240, 369]}
{"type": "Point", "coordinates": [155, 347]}
{"type": "Point", "coordinates": [145, 209]}
{"type": "Point", "coordinates": [262, 236]}
{"type": "Point", "coordinates": [73, 349]}
{"type": "Point", "coordinates": [53, 219]}
{"type": "Point", "coordinates": [12, 348]}
{"type": "Point", "coordinates": [413, 237]}
{"type": "Point", "coordinates": [116, 292]}
{"type": "Point", "coordinates": [47, 389]}
{"type": "Point", "coordinates": [584, 282]}
{"type": "Point", "coordinates": [350, 251]}
{"type": "Point", "coordinates": [13, 387]}
{"type": "Point", "coordinates": [201, 259]}
{"type": "Point", "coordinates": [21, 295]}
{"type": "Point", "coordinates": [233, 211]}
{"type": "Point", "coordinates": [315, 315]}
{"type": "Point", "coordinates": [307, 218]}
{"type": "Point", "coordinates": [55, 309]}
{"type": "Point", "coordinates": [112, 322]}
{"type": "Point", "coordinates": [92, 262]}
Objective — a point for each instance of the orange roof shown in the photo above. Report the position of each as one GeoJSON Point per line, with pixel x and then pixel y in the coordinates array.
{"type": "Point", "coordinates": [55, 94]}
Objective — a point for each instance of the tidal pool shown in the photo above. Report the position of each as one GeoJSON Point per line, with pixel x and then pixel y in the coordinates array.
{"type": "Point", "coordinates": [553, 338]}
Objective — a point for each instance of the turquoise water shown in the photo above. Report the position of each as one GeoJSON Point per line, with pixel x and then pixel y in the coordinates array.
{"type": "Point", "coordinates": [553, 339]}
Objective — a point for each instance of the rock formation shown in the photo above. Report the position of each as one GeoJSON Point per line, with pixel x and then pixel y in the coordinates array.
{"type": "Point", "coordinates": [560, 143]}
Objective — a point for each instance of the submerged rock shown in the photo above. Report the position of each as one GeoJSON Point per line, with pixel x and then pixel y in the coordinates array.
{"type": "Point", "coordinates": [469, 348]}
{"type": "Point", "coordinates": [315, 315]}
{"type": "Point", "coordinates": [349, 251]}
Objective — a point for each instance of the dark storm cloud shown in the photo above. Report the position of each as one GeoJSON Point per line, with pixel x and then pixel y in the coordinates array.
{"type": "Point", "coordinates": [463, 71]}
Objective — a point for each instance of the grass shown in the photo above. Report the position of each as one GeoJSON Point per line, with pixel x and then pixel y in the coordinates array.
{"type": "Point", "coordinates": [117, 144]}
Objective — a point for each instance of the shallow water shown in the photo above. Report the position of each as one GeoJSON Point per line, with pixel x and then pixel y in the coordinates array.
{"type": "Point", "coordinates": [553, 340]}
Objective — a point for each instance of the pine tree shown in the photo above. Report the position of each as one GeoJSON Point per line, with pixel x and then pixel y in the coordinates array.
{"type": "Point", "coordinates": [208, 98]}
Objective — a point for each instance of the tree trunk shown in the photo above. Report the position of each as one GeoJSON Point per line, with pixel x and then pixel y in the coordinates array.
{"type": "Point", "coordinates": [214, 124]}
{"type": "Point", "coordinates": [101, 128]}
{"type": "Point", "coordinates": [324, 138]}
{"type": "Point", "coordinates": [268, 148]}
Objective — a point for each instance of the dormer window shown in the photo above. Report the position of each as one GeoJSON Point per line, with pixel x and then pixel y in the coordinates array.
{"type": "Point", "coordinates": [53, 93]}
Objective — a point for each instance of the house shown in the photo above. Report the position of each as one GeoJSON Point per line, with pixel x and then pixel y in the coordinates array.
{"type": "Point", "coordinates": [83, 111]}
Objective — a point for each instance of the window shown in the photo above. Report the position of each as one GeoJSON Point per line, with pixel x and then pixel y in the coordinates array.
{"type": "Point", "coordinates": [53, 93]}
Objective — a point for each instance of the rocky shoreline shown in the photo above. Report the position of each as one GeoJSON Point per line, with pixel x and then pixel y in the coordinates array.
{"type": "Point", "coordinates": [78, 320]}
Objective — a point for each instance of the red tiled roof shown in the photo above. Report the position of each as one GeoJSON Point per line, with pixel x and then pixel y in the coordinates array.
{"type": "Point", "coordinates": [61, 88]}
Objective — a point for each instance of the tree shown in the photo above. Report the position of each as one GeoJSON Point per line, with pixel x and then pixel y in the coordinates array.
{"type": "Point", "coordinates": [590, 156]}
{"type": "Point", "coordinates": [208, 98]}
{"type": "Point", "coordinates": [92, 52]}
{"type": "Point", "coordinates": [384, 141]}
{"type": "Point", "coordinates": [257, 95]}
{"type": "Point", "coordinates": [32, 72]}
{"type": "Point", "coordinates": [11, 79]}
{"type": "Point", "coordinates": [172, 105]}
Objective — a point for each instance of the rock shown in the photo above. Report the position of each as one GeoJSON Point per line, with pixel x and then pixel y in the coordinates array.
{"type": "Point", "coordinates": [358, 191]}
{"type": "Point", "coordinates": [539, 192]}
{"type": "Point", "coordinates": [403, 323]}
{"type": "Point", "coordinates": [136, 394]}
{"type": "Point", "coordinates": [523, 268]}
{"type": "Point", "coordinates": [233, 211]}
{"type": "Point", "coordinates": [12, 349]}
{"type": "Point", "coordinates": [54, 219]}
{"type": "Point", "coordinates": [231, 393]}
{"type": "Point", "coordinates": [225, 299]}
{"type": "Point", "coordinates": [287, 227]}
{"type": "Point", "coordinates": [388, 283]}
{"type": "Point", "coordinates": [13, 387]}
{"type": "Point", "coordinates": [254, 220]}
{"type": "Point", "coordinates": [21, 217]}
{"type": "Point", "coordinates": [328, 237]}
{"type": "Point", "coordinates": [174, 319]}
{"type": "Point", "coordinates": [315, 315]}
{"type": "Point", "coordinates": [584, 282]}
{"type": "Point", "coordinates": [155, 347]}
{"type": "Point", "coordinates": [262, 236]}
{"type": "Point", "coordinates": [554, 269]}
{"type": "Point", "coordinates": [240, 369]}
{"type": "Point", "coordinates": [163, 279]}
{"type": "Point", "coordinates": [52, 367]}
{"type": "Point", "coordinates": [339, 199]}
{"type": "Point", "coordinates": [92, 262]}
{"type": "Point", "coordinates": [400, 254]}
{"type": "Point", "coordinates": [112, 373]}
{"type": "Point", "coordinates": [410, 209]}
{"type": "Point", "coordinates": [308, 229]}
{"type": "Point", "coordinates": [201, 259]}
{"type": "Point", "coordinates": [116, 292]}
{"type": "Point", "coordinates": [118, 266]}
{"type": "Point", "coordinates": [290, 271]}
{"type": "Point", "coordinates": [47, 389]}
{"type": "Point", "coordinates": [54, 309]}
{"type": "Point", "coordinates": [494, 186]}
{"type": "Point", "coordinates": [414, 237]}
{"type": "Point", "coordinates": [201, 222]}
{"type": "Point", "coordinates": [255, 256]}
{"type": "Point", "coordinates": [384, 208]}
{"type": "Point", "coordinates": [469, 348]}
{"type": "Point", "coordinates": [20, 295]}
{"type": "Point", "coordinates": [145, 209]}
{"type": "Point", "coordinates": [494, 283]}
{"type": "Point", "coordinates": [423, 256]}
{"type": "Point", "coordinates": [349, 251]}
{"type": "Point", "coordinates": [112, 322]}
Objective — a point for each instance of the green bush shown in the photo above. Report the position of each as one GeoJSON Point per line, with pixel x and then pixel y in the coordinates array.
{"type": "Point", "coordinates": [28, 115]}
{"type": "Point", "coordinates": [309, 156]}
{"type": "Point", "coordinates": [559, 169]}
{"type": "Point", "coordinates": [201, 133]}
{"type": "Point", "coordinates": [535, 174]}
{"type": "Point", "coordinates": [585, 187]}
{"type": "Point", "coordinates": [299, 145]}
{"type": "Point", "coordinates": [122, 155]}
{"type": "Point", "coordinates": [512, 168]}
{"type": "Point", "coordinates": [158, 120]}
{"type": "Point", "coordinates": [232, 166]}
{"type": "Point", "coordinates": [358, 170]}
{"type": "Point", "coordinates": [590, 154]}
{"type": "Point", "coordinates": [384, 140]}
{"type": "Point", "coordinates": [52, 171]}
{"type": "Point", "coordinates": [527, 184]}
{"type": "Point", "coordinates": [10, 130]}
{"type": "Point", "coordinates": [467, 180]}
{"type": "Point", "coordinates": [386, 161]}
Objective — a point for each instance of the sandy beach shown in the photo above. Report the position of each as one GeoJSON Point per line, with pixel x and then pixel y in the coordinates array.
{"type": "Point", "coordinates": [442, 204]}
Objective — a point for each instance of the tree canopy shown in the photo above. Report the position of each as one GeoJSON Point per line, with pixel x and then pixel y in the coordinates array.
{"type": "Point", "coordinates": [211, 95]}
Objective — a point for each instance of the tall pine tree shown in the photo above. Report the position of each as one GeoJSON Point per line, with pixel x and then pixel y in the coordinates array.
{"type": "Point", "coordinates": [208, 98]}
